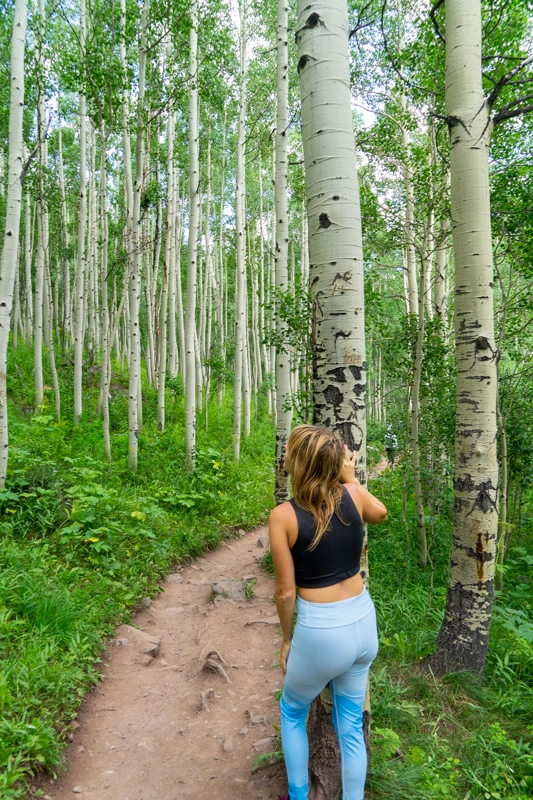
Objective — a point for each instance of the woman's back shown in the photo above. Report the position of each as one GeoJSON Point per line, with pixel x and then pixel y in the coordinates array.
{"type": "Point", "coordinates": [337, 555]}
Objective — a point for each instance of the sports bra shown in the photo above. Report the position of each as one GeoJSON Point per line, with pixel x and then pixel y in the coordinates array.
{"type": "Point", "coordinates": [338, 554]}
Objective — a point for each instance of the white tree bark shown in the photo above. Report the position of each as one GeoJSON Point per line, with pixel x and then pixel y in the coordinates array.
{"type": "Point", "coordinates": [81, 264]}
{"type": "Point", "coordinates": [194, 212]}
{"type": "Point", "coordinates": [167, 272]}
{"type": "Point", "coordinates": [240, 224]}
{"type": "Point", "coordinates": [336, 258]}
{"type": "Point", "coordinates": [283, 374]}
{"type": "Point", "coordinates": [463, 638]}
{"type": "Point", "coordinates": [28, 287]}
{"type": "Point", "coordinates": [134, 393]}
{"type": "Point", "coordinates": [8, 265]}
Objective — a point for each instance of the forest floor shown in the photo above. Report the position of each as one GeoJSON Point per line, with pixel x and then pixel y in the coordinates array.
{"type": "Point", "coordinates": [189, 720]}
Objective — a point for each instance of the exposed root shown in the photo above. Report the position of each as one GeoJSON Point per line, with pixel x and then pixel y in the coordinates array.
{"type": "Point", "coordinates": [205, 695]}
{"type": "Point", "coordinates": [213, 663]}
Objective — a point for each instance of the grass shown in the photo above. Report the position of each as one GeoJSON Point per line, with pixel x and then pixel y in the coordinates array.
{"type": "Point", "coordinates": [459, 737]}
{"type": "Point", "coordinates": [82, 541]}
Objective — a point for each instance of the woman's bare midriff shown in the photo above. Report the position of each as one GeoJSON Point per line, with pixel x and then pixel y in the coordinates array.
{"type": "Point", "coordinates": [350, 587]}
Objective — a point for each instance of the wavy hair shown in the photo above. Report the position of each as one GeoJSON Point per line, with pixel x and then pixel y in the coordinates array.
{"type": "Point", "coordinates": [316, 458]}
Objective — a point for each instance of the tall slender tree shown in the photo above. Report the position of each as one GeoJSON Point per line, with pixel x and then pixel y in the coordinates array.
{"type": "Point", "coordinates": [283, 400]}
{"type": "Point", "coordinates": [8, 266]}
{"type": "Point", "coordinates": [336, 274]}
{"type": "Point", "coordinates": [463, 638]}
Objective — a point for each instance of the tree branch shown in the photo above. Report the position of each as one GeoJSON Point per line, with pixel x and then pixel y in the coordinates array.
{"type": "Point", "coordinates": [504, 80]}
{"type": "Point", "coordinates": [517, 112]}
{"type": "Point", "coordinates": [432, 15]}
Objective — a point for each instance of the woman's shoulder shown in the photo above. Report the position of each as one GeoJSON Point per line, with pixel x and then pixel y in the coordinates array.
{"type": "Point", "coordinates": [282, 511]}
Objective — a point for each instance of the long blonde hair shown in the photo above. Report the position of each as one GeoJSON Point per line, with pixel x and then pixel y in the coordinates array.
{"type": "Point", "coordinates": [316, 458]}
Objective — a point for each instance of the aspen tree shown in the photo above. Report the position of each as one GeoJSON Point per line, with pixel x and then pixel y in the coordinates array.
{"type": "Point", "coordinates": [336, 276]}
{"type": "Point", "coordinates": [240, 283]}
{"type": "Point", "coordinates": [65, 280]}
{"type": "Point", "coordinates": [134, 392]}
{"type": "Point", "coordinates": [194, 212]}
{"type": "Point", "coordinates": [42, 217]}
{"type": "Point", "coordinates": [82, 219]}
{"type": "Point", "coordinates": [463, 638]}
{"type": "Point", "coordinates": [167, 254]}
{"type": "Point", "coordinates": [9, 259]}
{"type": "Point", "coordinates": [28, 250]}
{"type": "Point", "coordinates": [283, 374]}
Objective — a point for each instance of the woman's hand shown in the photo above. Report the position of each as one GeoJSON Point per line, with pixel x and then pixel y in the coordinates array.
{"type": "Point", "coordinates": [284, 654]}
{"type": "Point", "coordinates": [348, 468]}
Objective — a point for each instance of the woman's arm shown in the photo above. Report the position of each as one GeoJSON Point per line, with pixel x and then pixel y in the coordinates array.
{"type": "Point", "coordinates": [284, 570]}
{"type": "Point", "coordinates": [371, 509]}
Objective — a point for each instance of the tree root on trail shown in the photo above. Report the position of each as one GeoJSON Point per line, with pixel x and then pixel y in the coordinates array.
{"type": "Point", "coordinates": [265, 621]}
{"type": "Point", "coordinates": [205, 695]}
{"type": "Point", "coordinates": [213, 662]}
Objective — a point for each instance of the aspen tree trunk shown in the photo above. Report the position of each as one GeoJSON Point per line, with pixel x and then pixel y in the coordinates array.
{"type": "Point", "coordinates": [134, 392]}
{"type": "Point", "coordinates": [167, 254]}
{"type": "Point", "coordinates": [49, 338]}
{"type": "Point", "coordinates": [8, 266]}
{"type": "Point", "coordinates": [81, 264]}
{"type": "Point", "coordinates": [181, 361]}
{"type": "Point", "coordinates": [106, 338]}
{"type": "Point", "coordinates": [28, 288]}
{"type": "Point", "coordinates": [65, 315]}
{"type": "Point", "coordinates": [336, 274]}
{"type": "Point", "coordinates": [221, 282]}
{"type": "Point", "coordinates": [463, 638]}
{"type": "Point", "coordinates": [16, 312]}
{"type": "Point", "coordinates": [283, 374]}
{"type": "Point", "coordinates": [174, 254]}
{"type": "Point", "coordinates": [415, 416]}
{"type": "Point", "coordinates": [41, 216]}
{"type": "Point", "coordinates": [194, 213]}
{"type": "Point", "coordinates": [240, 282]}
{"type": "Point", "coordinates": [272, 288]}
{"type": "Point", "coordinates": [440, 295]}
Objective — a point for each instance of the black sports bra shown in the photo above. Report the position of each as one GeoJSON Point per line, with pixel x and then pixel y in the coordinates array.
{"type": "Point", "coordinates": [338, 554]}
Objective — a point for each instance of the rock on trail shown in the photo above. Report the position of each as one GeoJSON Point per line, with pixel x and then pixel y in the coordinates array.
{"type": "Point", "coordinates": [187, 698]}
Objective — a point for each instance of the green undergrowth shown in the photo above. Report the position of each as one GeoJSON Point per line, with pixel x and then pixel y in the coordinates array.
{"type": "Point", "coordinates": [457, 737]}
{"type": "Point", "coordinates": [82, 541]}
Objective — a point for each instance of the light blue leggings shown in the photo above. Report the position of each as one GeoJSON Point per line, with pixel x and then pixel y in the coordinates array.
{"type": "Point", "coordinates": [336, 643]}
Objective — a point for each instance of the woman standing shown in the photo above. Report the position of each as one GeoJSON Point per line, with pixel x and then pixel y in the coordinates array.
{"type": "Point", "coordinates": [316, 541]}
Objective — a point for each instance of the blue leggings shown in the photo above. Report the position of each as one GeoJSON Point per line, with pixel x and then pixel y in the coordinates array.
{"type": "Point", "coordinates": [335, 643]}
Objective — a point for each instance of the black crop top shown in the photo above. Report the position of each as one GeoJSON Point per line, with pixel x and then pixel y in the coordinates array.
{"type": "Point", "coordinates": [338, 554]}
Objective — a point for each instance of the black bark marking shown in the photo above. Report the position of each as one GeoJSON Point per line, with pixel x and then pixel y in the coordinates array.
{"type": "Point", "coordinates": [332, 395]}
{"type": "Point", "coordinates": [357, 372]}
{"type": "Point", "coordinates": [341, 276]}
{"type": "Point", "coordinates": [333, 263]}
{"type": "Point", "coordinates": [343, 335]}
{"type": "Point", "coordinates": [462, 645]}
{"type": "Point", "coordinates": [302, 63]}
{"type": "Point", "coordinates": [338, 372]}
{"type": "Point", "coordinates": [324, 221]}
{"type": "Point", "coordinates": [464, 484]}
{"type": "Point", "coordinates": [482, 343]}
{"type": "Point", "coordinates": [335, 197]}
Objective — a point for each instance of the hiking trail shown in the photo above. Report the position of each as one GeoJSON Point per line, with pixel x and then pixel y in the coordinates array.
{"type": "Point", "coordinates": [187, 697]}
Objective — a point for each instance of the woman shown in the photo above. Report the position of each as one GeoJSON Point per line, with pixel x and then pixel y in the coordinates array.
{"type": "Point", "coordinates": [316, 541]}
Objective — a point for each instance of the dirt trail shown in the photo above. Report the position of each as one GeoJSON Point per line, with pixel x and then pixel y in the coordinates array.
{"type": "Point", "coordinates": [165, 728]}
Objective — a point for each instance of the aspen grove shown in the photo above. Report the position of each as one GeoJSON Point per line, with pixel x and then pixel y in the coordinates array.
{"type": "Point", "coordinates": [223, 218]}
